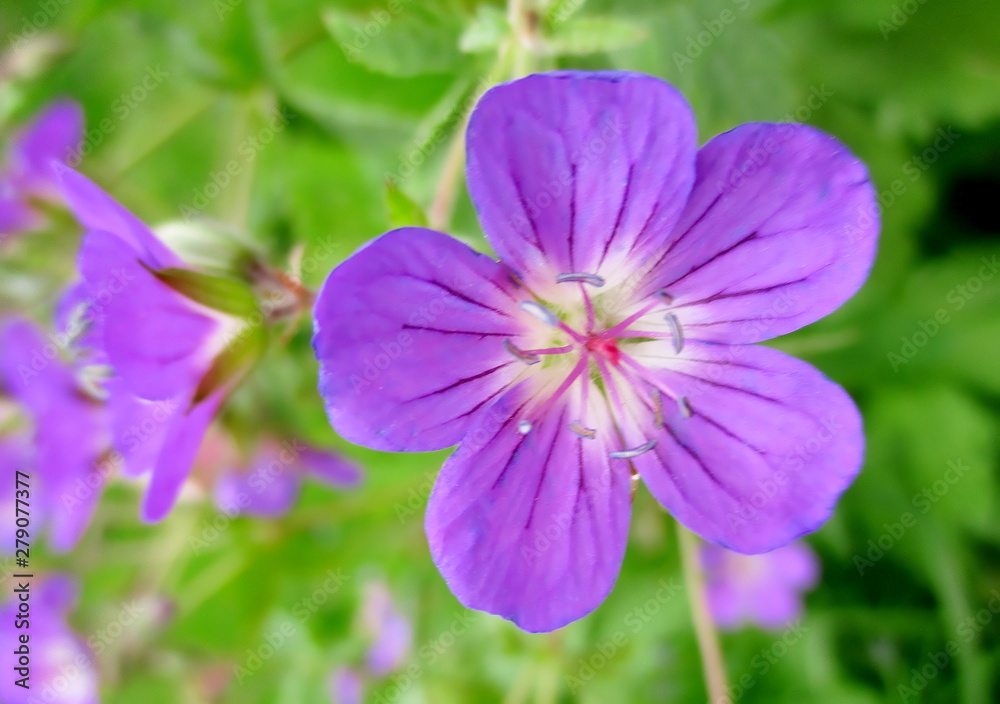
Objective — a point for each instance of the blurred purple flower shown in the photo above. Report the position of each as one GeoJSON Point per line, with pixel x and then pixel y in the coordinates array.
{"type": "Point", "coordinates": [53, 135]}
{"type": "Point", "coordinates": [761, 589]}
{"type": "Point", "coordinates": [175, 357]}
{"type": "Point", "coordinates": [611, 340]}
{"type": "Point", "coordinates": [270, 486]}
{"type": "Point", "coordinates": [389, 629]}
{"type": "Point", "coordinates": [62, 668]}
{"type": "Point", "coordinates": [70, 431]}
{"type": "Point", "coordinates": [346, 686]}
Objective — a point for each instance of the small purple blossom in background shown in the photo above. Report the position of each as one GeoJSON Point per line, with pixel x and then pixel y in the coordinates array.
{"type": "Point", "coordinates": [54, 134]}
{"type": "Point", "coordinates": [176, 340]}
{"type": "Point", "coordinates": [347, 686]}
{"type": "Point", "coordinates": [62, 667]}
{"type": "Point", "coordinates": [70, 431]}
{"type": "Point", "coordinates": [390, 630]}
{"type": "Point", "coordinates": [270, 485]}
{"type": "Point", "coordinates": [611, 342]}
{"type": "Point", "coordinates": [765, 589]}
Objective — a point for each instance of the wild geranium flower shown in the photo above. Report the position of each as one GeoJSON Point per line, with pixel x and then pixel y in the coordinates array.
{"type": "Point", "coordinates": [61, 668]}
{"type": "Point", "coordinates": [608, 344]}
{"type": "Point", "coordinates": [53, 135]}
{"type": "Point", "coordinates": [270, 486]}
{"type": "Point", "coordinates": [69, 427]}
{"type": "Point", "coordinates": [765, 590]}
{"type": "Point", "coordinates": [177, 340]}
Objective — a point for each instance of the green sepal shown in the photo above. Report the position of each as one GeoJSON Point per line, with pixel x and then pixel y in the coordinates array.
{"type": "Point", "coordinates": [215, 292]}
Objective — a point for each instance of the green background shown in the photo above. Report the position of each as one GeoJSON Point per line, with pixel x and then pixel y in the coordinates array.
{"type": "Point", "coordinates": [887, 78]}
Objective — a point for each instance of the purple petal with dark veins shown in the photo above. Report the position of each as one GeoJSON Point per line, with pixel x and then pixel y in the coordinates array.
{"type": "Point", "coordinates": [771, 445]}
{"type": "Point", "coordinates": [409, 336]}
{"type": "Point", "coordinates": [780, 230]}
{"type": "Point", "coordinates": [531, 527]}
{"type": "Point", "coordinates": [580, 172]}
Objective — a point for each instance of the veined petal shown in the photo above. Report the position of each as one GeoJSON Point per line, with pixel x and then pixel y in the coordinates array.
{"type": "Point", "coordinates": [580, 172]}
{"type": "Point", "coordinates": [780, 230]}
{"type": "Point", "coordinates": [409, 336]}
{"type": "Point", "coordinates": [154, 337]}
{"type": "Point", "coordinates": [53, 135]}
{"type": "Point", "coordinates": [770, 445]}
{"type": "Point", "coordinates": [530, 526]}
{"type": "Point", "coordinates": [99, 212]}
{"type": "Point", "coordinates": [184, 434]}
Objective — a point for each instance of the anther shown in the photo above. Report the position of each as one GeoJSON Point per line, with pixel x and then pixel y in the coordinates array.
{"type": "Point", "coordinates": [682, 403]}
{"type": "Point", "coordinates": [633, 482]}
{"type": "Point", "coordinates": [664, 296]}
{"type": "Point", "coordinates": [676, 332]}
{"type": "Point", "coordinates": [524, 427]}
{"type": "Point", "coordinates": [582, 430]}
{"type": "Point", "coordinates": [634, 452]}
{"type": "Point", "coordinates": [658, 407]}
{"type": "Point", "coordinates": [519, 353]}
{"type": "Point", "coordinates": [592, 279]}
{"type": "Point", "coordinates": [541, 312]}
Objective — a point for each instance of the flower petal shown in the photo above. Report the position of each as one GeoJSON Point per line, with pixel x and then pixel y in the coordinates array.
{"type": "Point", "coordinates": [770, 445]}
{"type": "Point", "coordinates": [153, 336]}
{"type": "Point", "coordinates": [780, 230]}
{"type": "Point", "coordinates": [139, 427]}
{"type": "Point", "coordinates": [99, 212]}
{"type": "Point", "coordinates": [409, 336]}
{"type": "Point", "coordinates": [531, 527]}
{"type": "Point", "coordinates": [258, 492]}
{"type": "Point", "coordinates": [579, 172]}
{"type": "Point", "coordinates": [180, 446]}
{"type": "Point", "coordinates": [329, 467]}
{"type": "Point", "coordinates": [53, 135]}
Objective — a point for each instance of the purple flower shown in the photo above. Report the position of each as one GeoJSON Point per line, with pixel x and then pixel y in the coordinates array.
{"type": "Point", "coordinates": [609, 342]}
{"type": "Point", "coordinates": [174, 338]}
{"type": "Point", "coordinates": [389, 629]}
{"type": "Point", "coordinates": [763, 589]}
{"type": "Point", "coordinates": [62, 669]}
{"type": "Point", "coordinates": [346, 686]}
{"type": "Point", "coordinates": [70, 430]}
{"type": "Point", "coordinates": [54, 135]}
{"type": "Point", "coordinates": [270, 486]}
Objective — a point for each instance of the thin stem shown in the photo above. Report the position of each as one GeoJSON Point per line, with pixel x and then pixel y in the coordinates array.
{"type": "Point", "coordinates": [708, 638]}
{"type": "Point", "coordinates": [439, 215]}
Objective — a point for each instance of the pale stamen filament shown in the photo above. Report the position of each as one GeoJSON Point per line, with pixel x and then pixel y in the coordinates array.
{"type": "Point", "coordinates": [518, 353]}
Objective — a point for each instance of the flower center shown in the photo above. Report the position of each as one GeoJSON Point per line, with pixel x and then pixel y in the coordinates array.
{"type": "Point", "coordinates": [603, 372]}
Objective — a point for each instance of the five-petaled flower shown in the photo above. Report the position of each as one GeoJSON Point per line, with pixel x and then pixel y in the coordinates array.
{"type": "Point", "coordinates": [608, 344]}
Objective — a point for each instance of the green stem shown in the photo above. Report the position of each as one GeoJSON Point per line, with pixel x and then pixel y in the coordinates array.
{"type": "Point", "coordinates": [704, 627]}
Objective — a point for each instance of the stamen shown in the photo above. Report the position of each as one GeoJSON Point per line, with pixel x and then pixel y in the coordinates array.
{"type": "Point", "coordinates": [519, 353]}
{"type": "Point", "coordinates": [540, 312]}
{"type": "Point", "coordinates": [682, 403]}
{"type": "Point", "coordinates": [524, 427]}
{"type": "Point", "coordinates": [676, 332]}
{"type": "Point", "coordinates": [658, 407]}
{"type": "Point", "coordinates": [634, 452]}
{"type": "Point", "coordinates": [592, 279]}
{"type": "Point", "coordinates": [633, 481]}
{"type": "Point", "coordinates": [584, 432]}
{"type": "Point", "coordinates": [664, 296]}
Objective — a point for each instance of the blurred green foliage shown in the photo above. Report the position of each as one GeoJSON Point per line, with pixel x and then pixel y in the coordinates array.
{"type": "Point", "coordinates": [318, 102]}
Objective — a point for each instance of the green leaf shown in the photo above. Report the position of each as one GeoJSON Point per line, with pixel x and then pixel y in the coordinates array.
{"type": "Point", "coordinates": [593, 35]}
{"type": "Point", "coordinates": [216, 292]}
{"type": "Point", "coordinates": [486, 31]}
{"type": "Point", "coordinates": [400, 39]}
{"type": "Point", "coordinates": [403, 211]}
